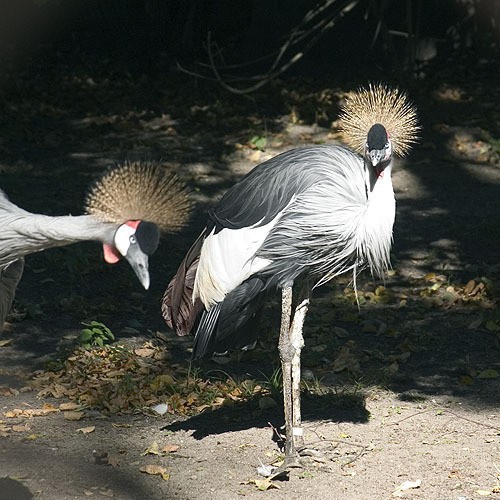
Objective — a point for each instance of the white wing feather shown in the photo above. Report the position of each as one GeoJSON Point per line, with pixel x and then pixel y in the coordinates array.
{"type": "Point", "coordinates": [227, 259]}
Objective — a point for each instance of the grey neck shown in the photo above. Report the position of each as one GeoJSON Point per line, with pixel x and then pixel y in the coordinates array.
{"type": "Point", "coordinates": [26, 233]}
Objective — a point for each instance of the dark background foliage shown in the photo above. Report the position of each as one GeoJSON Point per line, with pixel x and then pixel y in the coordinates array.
{"type": "Point", "coordinates": [347, 35]}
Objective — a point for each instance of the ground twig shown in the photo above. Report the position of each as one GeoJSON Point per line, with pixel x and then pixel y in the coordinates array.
{"type": "Point", "coordinates": [445, 410]}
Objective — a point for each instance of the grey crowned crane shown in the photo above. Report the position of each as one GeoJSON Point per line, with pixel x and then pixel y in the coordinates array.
{"type": "Point", "coordinates": [313, 212]}
{"type": "Point", "coordinates": [126, 208]}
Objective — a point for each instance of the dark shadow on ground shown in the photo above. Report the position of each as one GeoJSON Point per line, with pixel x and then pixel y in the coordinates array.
{"type": "Point", "coordinates": [245, 415]}
{"type": "Point", "coordinates": [11, 489]}
{"type": "Point", "coordinates": [78, 468]}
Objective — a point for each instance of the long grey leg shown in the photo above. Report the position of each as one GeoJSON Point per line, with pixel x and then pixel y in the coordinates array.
{"type": "Point", "coordinates": [286, 354]}
{"type": "Point", "coordinates": [297, 342]}
{"type": "Point", "coordinates": [290, 346]}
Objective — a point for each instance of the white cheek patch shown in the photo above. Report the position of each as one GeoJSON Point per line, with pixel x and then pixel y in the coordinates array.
{"type": "Point", "coordinates": [388, 151]}
{"type": "Point", "coordinates": [122, 238]}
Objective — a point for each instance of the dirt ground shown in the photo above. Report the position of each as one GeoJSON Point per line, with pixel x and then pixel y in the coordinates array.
{"type": "Point", "coordinates": [416, 403]}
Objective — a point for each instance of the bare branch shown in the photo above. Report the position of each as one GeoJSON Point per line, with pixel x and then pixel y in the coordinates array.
{"type": "Point", "coordinates": [300, 34]}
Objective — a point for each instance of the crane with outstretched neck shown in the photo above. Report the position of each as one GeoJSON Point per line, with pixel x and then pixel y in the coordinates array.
{"type": "Point", "coordinates": [126, 209]}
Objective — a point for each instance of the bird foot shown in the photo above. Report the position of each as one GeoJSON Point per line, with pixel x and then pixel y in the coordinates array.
{"type": "Point", "coordinates": [301, 460]}
{"type": "Point", "coordinates": [315, 455]}
{"type": "Point", "coordinates": [281, 471]}
{"type": "Point", "coordinates": [293, 462]}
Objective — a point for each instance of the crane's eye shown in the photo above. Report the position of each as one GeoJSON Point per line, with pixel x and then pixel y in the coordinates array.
{"type": "Point", "coordinates": [132, 239]}
{"type": "Point", "coordinates": [386, 145]}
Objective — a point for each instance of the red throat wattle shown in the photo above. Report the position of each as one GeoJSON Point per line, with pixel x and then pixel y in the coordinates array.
{"type": "Point", "coordinates": [111, 254]}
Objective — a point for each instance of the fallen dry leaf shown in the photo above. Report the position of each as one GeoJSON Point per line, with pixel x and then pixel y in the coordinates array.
{"type": "Point", "coordinates": [153, 449]}
{"type": "Point", "coordinates": [8, 391]}
{"type": "Point", "coordinates": [156, 470]}
{"type": "Point", "coordinates": [264, 484]}
{"type": "Point", "coordinates": [255, 156]}
{"type": "Point", "coordinates": [33, 437]}
{"type": "Point", "coordinates": [69, 406]}
{"type": "Point", "coordinates": [32, 412]}
{"type": "Point", "coordinates": [170, 448]}
{"type": "Point", "coordinates": [346, 360]}
{"type": "Point", "coordinates": [5, 342]}
{"type": "Point", "coordinates": [466, 380]}
{"type": "Point", "coordinates": [407, 485]}
{"type": "Point", "coordinates": [91, 379]}
{"type": "Point", "coordinates": [145, 352]}
{"type": "Point", "coordinates": [267, 402]}
{"type": "Point", "coordinates": [476, 323]}
{"type": "Point", "coordinates": [21, 428]}
{"type": "Point", "coordinates": [86, 430]}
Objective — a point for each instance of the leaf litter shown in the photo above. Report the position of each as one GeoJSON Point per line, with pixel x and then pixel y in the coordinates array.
{"type": "Point", "coordinates": [116, 379]}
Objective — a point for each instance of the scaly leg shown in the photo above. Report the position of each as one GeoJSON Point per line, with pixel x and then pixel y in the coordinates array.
{"type": "Point", "coordinates": [290, 346]}
{"type": "Point", "coordinates": [297, 342]}
{"type": "Point", "coordinates": [286, 354]}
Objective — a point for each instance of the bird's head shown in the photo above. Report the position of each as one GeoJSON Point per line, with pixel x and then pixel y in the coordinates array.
{"type": "Point", "coordinates": [379, 121]}
{"type": "Point", "coordinates": [135, 241]}
{"type": "Point", "coordinates": [138, 192]}
{"type": "Point", "coordinates": [378, 148]}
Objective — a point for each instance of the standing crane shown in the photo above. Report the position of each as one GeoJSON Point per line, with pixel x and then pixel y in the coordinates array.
{"type": "Point", "coordinates": [126, 209]}
{"type": "Point", "coordinates": [314, 212]}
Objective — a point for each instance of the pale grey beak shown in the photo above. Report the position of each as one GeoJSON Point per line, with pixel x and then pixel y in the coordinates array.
{"type": "Point", "coordinates": [376, 156]}
{"type": "Point", "coordinates": [138, 260]}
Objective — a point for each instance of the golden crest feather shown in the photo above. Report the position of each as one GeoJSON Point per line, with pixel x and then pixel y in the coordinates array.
{"type": "Point", "coordinates": [140, 191]}
{"type": "Point", "coordinates": [379, 104]}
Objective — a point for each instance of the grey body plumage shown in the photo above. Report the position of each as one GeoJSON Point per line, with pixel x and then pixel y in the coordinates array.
{"type": "Point", "coordinates": [321, 231]}
{"type": "Point", "coordinates": [313, 211]}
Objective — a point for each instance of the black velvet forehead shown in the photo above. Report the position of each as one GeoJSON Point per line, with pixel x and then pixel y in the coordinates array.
{"type": "Point", "coordinates": [148, 237]}
{"type": "Point", "coordinates": [377, 137]}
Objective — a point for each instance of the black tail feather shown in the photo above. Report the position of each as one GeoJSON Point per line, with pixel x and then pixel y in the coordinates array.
{"type": "Point", "coordinates": [231, 323]}
{"type": "Point", "coordinates": [177, 307]}
{"type": "Point", "coordinates": [205, 333]}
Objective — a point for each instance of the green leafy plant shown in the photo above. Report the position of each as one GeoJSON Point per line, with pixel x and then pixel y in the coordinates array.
{"type": "Point", "coordinates": [96, 334]}
{"type": "Point", "coordinates": [258, 142]}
